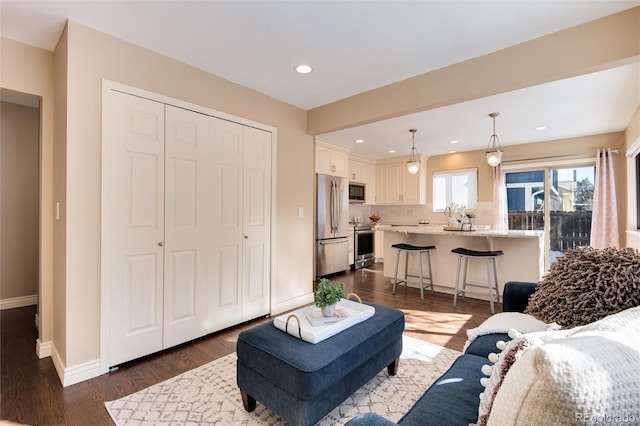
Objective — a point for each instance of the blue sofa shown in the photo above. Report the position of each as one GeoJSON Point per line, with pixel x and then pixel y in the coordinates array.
{"type": "Point", "coordinates": [453, 399]}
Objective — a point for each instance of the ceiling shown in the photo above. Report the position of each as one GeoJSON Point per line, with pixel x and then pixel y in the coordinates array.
{"type": "Point", "coordinates": [355, 46]}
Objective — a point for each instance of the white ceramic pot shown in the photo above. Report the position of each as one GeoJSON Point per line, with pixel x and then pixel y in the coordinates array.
{"type": "Point", "coordinates": [328, 311]}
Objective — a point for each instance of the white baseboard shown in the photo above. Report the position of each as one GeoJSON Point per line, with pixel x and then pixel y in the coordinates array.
{"type": "Point", "coordinates": [43, 349]}
{"type": "Point", "coordinates": [292, 304]}
{"type": "Point", "coordinates": [18, 302]}
{"type": "Point", "coordinates": [76, 374]}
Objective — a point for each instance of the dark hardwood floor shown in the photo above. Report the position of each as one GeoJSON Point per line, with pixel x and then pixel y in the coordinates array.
{"type": "Point", "coordinates": [32, 393]}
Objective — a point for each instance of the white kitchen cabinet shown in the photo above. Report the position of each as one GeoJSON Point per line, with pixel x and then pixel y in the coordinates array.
{"type": "Point", "coordinates": [395, 185]}
{"type": "Point", "coordinates": [331, 160]}
{"type": "Point", "coordinates": [360, 171]}
{"type": "Point", "coordinates": [363, 171]}
{"type": "Point", "coordinates": [186, 225]}
{"type": "Point", "coordinates": [381, 184]}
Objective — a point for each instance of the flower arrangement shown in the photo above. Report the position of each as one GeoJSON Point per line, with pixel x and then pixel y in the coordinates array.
{"type": "Point", "coordinates": [458, 214]}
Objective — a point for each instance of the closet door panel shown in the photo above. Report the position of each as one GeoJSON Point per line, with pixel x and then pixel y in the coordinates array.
{"type": "Point", "coordinates": [256, 223]}
{"type": "Point", "coordinates": [226, 238]}
{"type": "Point", "coordinates": [228, 261]}
{"type": "Point", "coordinates": [136, 214]}
{"type": "Point", "coordinates": [187, 210]}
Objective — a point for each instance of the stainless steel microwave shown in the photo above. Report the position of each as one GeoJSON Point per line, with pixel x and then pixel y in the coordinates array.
{"type": "Point", "coordinates": [356, 192]}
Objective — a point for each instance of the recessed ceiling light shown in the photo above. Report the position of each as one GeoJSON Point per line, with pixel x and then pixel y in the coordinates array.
{"type": "Point", "coordinates": [540, 128]}
{"type": "Point", "coordinates": [303, 69]}
{"type": "Point", "coordinates": [392, 151]}
{"type": "Point", "coordinates": [454, 141]}
{"type": "Point", "coordinates": [359, 140]}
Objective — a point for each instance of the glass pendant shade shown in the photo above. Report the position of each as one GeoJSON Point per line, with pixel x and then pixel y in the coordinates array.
{"type": "Point", "coordinates": [413, 165]}
{"type": "Point", "coordinates": [494, 153]}
{"type": "Point", "coordinates": [494, 157]}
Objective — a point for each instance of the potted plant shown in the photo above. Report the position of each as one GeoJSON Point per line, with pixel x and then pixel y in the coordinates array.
{"type": "Point", "coordinates": [328, 293]}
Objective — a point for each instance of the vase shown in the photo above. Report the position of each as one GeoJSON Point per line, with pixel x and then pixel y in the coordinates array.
{"type": "Point", "coordinates": [328, 311]}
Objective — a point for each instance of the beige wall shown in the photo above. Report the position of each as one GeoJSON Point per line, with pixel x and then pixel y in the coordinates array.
{"type": "Point", "coordinates": [93, 56]}
{"type": "Point", "coordinates": [19, 146]}
{"type": "Point", "coordinates": [60, 200]}
{"type": "Point", "coordinates": [27, 69]}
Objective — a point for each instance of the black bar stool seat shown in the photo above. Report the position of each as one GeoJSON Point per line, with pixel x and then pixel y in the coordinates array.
{"type": "Point", "coordinates": [492, 278]}
{"type": "Point", "coordinates": [408, 248]}
{"type": "Point", "coordinates": [476, 253]}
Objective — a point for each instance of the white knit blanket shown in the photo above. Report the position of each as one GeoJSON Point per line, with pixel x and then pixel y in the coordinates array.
{"type": "Point", "coordinates": [586, 375]}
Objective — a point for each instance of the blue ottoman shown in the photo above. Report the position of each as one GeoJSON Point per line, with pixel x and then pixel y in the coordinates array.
{"type": "Point", "coordinates": [302, 382]}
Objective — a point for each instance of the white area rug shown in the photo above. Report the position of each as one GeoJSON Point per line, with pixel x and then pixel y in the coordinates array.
{"type": "Point", "coordinates": [208, 395]}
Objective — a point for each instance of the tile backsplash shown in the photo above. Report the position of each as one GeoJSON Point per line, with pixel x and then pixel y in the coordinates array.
{"type": "Point", "coordinates": [412, 214]}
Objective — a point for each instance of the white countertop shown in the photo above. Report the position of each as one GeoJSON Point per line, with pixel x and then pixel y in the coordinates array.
{"type": "Point", "coordinates": [480, 231]}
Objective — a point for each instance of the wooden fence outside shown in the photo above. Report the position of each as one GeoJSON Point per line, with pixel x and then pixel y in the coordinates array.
{"type": "Point", "coordinates": [568, 229]}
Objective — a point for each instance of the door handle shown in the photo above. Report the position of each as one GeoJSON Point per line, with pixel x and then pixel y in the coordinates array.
{"type": "Point", "coordinates": [245, 236]}
{"type": "Point", "coordinates": [335, 241]}
{"type": "Point", "coordinates": [160, 244]}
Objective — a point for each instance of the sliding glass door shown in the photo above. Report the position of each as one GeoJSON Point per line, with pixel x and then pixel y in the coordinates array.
{"type": "Point", "coordinates": [571, 207]}
{"type": "Point", "coordinates": [558, 201]}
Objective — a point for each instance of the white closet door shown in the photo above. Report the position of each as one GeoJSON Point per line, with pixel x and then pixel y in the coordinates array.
{"type": "Point", "coordinates": [225, 262]}
{"type": "Point", "coordinates": [188, 212]}
{"type": "Point", "coordinates": [188, 165]}
{"type": "Point", "coordinates": [137, 225]}
{"type": "Point", "coordinates": [256, 223]}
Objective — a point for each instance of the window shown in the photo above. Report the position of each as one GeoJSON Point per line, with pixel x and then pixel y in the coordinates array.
{"type": "Point", "coordinates": [455, 187]}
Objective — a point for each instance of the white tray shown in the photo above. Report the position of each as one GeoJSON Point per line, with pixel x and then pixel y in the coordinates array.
{"type": "Point", "coordinates": [354, 313]}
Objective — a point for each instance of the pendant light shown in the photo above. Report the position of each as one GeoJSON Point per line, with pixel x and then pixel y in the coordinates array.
{"type": "Point", "coordinates": [413, 165]}
{"type": "Point", "coordinates": [494, 155]}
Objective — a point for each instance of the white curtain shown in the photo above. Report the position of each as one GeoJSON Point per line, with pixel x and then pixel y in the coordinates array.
{"type": "Point", "coordinates": [604, 221]}
{"type": "Point", "coordinates": [499, 200]}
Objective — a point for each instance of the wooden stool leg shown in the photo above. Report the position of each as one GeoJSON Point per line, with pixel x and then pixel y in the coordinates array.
{"type": "Point", "coordinates": [392, 368]}
{"type": "Point", "coordinates": [248, 402]}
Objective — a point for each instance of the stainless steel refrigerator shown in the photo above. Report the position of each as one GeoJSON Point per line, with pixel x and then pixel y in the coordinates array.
{"type": "Point", "coordinates": [332, 221]}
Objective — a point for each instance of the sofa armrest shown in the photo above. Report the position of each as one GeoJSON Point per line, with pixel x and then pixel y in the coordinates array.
{"type": "Point", "coordinates": [370, 419]}
{"type": "Point", "coordinates": [516, 295]}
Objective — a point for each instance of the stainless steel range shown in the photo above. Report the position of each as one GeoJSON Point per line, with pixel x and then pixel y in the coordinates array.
{"type": "Point", "coordinates": [364, 253]}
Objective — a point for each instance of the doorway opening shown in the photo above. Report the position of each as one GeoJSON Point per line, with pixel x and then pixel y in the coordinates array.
{"type": "Point", "coordinates": [20, 200]}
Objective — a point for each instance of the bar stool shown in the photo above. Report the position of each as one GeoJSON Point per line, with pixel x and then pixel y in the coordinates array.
{"type": "Point", "coordinates": [490, 257]}
{"type": "Point", "coordinates": [408, 248]}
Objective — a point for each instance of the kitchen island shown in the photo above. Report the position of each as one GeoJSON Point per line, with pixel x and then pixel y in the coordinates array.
{"type": "Point", "coordinates": [523, 258]}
